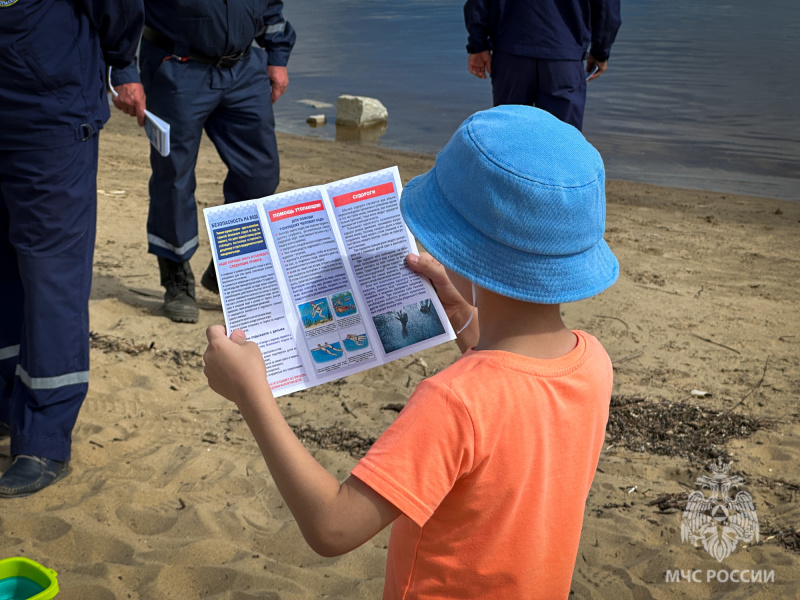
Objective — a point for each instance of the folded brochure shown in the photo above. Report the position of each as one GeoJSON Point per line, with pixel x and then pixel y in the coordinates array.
{"type": "Point", "coordinates": [317, 278]}
{"type": "Point", "coordinates": [157, 131]}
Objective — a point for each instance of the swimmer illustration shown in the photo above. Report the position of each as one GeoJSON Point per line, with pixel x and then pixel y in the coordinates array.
{"type": "Point", "coordinates": [403, 318]}
{"type": "Point", "coordinates": [425, 307]}
{"type": "Point", "coordinates": [327, 348]}
{"type": "Point", "coordinates": [343, 304]}
{"type": "Point", "coordinates": [316, 310]}
{"type": "Point", "coordinates": [359, 340]}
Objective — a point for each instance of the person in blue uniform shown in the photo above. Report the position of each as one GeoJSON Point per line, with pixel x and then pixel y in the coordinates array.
{"type": "Point", "coordinates": [199, 70]}
{"type": "Point", "coordinates": [534, 50]}
{"type": "Point", "coordinates": [53, 99]}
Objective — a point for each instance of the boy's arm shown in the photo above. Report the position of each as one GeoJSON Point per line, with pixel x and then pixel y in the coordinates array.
{"type": "Point", "coordinates": [334, 518]}
{"type": "Point", "coordinates": [457, 309]}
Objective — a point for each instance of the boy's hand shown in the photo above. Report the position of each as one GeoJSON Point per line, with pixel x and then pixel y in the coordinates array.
{"type": "Point", "coordinates": [451, 298]}
{"type": "Point", "coordinates": [234, 367]}
{"type": "Point", "coordinates": [456, 307]}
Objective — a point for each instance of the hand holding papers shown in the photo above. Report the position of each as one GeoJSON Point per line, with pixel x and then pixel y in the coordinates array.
{"type": "Point", "coordinates": [157, 129]}
{"type": "Point", "coordinates": [317, 278]}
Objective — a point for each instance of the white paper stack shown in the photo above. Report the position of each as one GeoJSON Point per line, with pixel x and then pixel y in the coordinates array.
{"type": "Point", "coordinates": [158, 131]}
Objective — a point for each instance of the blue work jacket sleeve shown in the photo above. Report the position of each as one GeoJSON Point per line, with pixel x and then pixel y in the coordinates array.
{"type": "Point", "coordinates": [278, 36]}
{"type": "Point", "coordinates": [129, 74]}
{"type": "Point", "coordinates": [476, 18]}
{"type": "Point", "coordinates": [606, 21]}
{"type": "Point", "coordinates": [119, 24]}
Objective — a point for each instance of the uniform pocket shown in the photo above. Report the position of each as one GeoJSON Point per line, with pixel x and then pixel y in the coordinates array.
{"type": "Point", "coordinates": [45, 82]}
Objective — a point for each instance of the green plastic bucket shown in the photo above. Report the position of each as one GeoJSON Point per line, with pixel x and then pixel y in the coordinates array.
{"type": "Point", "coordinates": [24, 579]}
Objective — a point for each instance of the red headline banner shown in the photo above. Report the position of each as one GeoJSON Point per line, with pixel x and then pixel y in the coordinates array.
{"type": "Point", "coordinates": [366, 194]}
{"type": "Point", "coordinates": [295, 211]}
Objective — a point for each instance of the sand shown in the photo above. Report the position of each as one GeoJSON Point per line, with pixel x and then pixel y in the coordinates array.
{"type": "Point", "coordinates": [169, 497]}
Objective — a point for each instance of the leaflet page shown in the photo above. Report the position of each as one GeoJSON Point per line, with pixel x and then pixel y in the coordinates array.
{"type": "Point", "coordinates": [250, 292]}
{"type": "Point", "coordinates": [403, 307]}
{"type": "Point", "coordinates": [328, 317]}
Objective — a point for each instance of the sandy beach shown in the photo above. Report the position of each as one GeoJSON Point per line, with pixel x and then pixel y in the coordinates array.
{"type": "Point", "coordinates": [170, 498]}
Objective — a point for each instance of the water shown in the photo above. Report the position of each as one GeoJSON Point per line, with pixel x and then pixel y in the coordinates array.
{"type": "Point", "coordinates": [19, 588]}
{"type": "Point", "coordinates": [701, 95]}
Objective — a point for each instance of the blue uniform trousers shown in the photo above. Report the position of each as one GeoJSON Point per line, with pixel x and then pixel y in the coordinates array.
{"type": "Point", "coordinates": [48, 213]}
{"type": "Point", "coordinates": [234, 107]}
{"type": "Point", "coordinates": [557, 86]}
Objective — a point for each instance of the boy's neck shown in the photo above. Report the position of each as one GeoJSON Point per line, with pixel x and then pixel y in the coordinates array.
{"type": "Point", "coordinates": [533, 330]}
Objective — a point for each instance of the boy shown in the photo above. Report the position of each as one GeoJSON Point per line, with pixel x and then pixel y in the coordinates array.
{"type": "Point", "coordinates": [486, 471]}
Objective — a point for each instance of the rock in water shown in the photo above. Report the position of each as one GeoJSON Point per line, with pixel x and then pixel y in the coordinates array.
{"type": "Point", "coordinates": [316, 120]}
{"type": "Point", "coordinates": [315, 103]}
{"type": "Point", "coordinates": [359, 110]}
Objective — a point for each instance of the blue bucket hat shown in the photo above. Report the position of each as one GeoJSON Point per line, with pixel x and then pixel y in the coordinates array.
{"type": "Point", "coordinates": [516, 204]}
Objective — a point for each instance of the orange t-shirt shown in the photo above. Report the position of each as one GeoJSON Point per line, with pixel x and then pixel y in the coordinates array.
{"type": "Point", "coordinates": [491, 463]}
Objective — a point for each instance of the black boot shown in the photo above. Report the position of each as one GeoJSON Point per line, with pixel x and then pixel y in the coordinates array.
{"type": "Point", "coordinates": [178, 281]}
{"type": "Point", "coordinates": [209, 278]}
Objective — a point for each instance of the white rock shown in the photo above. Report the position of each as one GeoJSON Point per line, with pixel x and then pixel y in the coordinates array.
{"type": "Point", "coordinates": [316, 120]}
{"type": "Point", "coordinates": [359, 110]}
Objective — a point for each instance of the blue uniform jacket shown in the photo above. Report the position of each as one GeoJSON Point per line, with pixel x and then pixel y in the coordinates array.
{"type": "Point", "coordinates": [218, 28]}
{"type": "Point", "coordinates": [52, 71]}
{"type": "Point", "coordinates": [550, 29]}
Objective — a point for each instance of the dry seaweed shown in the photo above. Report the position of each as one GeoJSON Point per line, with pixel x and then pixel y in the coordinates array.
{"type": "Point", "coordinates": [694, 432]}
{"type": "Point", "coordinates": [108, 344]}
{"type": "Point", "coordinates": [785, 535]}
{"type": "Point", "coordinates": [670, 503]}
{"type": "Point", "coordinates": [788, 538]}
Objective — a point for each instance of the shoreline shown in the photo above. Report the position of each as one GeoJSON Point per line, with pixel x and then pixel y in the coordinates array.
{"type": "Point", "coordinates": [691, 178]}
{"type": "Point", "coordinates": [308, 141]}
{"type": "Point", "coordinates": [169, 496]}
